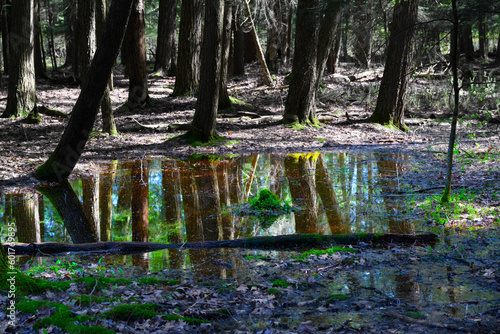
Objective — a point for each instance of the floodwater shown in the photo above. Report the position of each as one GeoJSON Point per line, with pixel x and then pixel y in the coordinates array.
{"type": "Point", "coordinates": [200, 199]}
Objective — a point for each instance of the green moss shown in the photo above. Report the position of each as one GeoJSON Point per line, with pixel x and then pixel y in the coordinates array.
{"type": "Point", "coordinates": [26, 285]}
{"type": "Point", "coordinates": [415, 314]}
{"type": "Point", "coordinates": [199, 139]}
{"type": "Point", "coordinates": [273, 291]}
{"type": "Point", "coordinates": [143, 311]}
{"type": "Point", "coordinates": [280, 283]}
{"type": "Point", "coordinates": [62, 318]}
{"type": "Point", "coordinates": [295, 126]}
{"type": "Point", "coordinates": [156, 281]}
{"type": "Point", "coordinates": [328, 251]}
{"type": "Point", "coordinates": [33, 306]}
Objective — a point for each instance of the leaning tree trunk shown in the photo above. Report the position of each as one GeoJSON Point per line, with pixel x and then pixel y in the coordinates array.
{"type": "Point", "coordinates": [393, 88]}
{"type": "Point", "coordinates": [204, 121]}
{"type": "Point", "coordinates": [299, 106]}
{"type": "Point", "coordinates": [267, 76]}
{"type": "Point", "coordinates": [186, 81]}
{"type": "Point", "coordinates": [166, 34]}
{"type": "Point", "coordinates": [21, 97]}
{"type": "Point", "coordinates": [64, 158]}
{"type": "Point", "coordinates": [136, 34]}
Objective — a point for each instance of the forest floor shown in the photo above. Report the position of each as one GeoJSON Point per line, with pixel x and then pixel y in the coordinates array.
{"type": "Point", "coordinates": [303, 302]}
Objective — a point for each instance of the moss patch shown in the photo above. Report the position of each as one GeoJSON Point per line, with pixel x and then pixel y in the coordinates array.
{"type": "Point", "coordinates": [328, 251]}
{"type": "Point", "coordinates": [143, 311]}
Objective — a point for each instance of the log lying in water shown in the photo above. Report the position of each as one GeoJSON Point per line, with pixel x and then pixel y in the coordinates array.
{"type": "Point", "coordinates": [281, 242]}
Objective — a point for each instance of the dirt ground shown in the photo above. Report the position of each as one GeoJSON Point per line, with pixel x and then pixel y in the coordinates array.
{"type": "Point", "coordinates": [255, 128]}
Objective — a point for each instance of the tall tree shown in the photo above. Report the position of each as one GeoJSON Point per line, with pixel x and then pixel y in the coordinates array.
{"type": "Point", "coordinates": [188, 65]}
{"type": "Point", "coordinates": [167, 19]}
{"type": "Point", "coordinates": [70, 147]}
{"type": "Point", "coordinates": [85, 45]}
{"type": "Point", "coordinates": [391, 98]}
{"type": "Point", "coordinates": [363, 32]}
{"type": "Point", "coordinates": [315, 27]}
{"type": "Point", "coordinates": [108, 120]}
{"type": "Point", "coordinates": [446, 197]}
{"type": "Point", "coordinates": [6, 18]}
{"type": "Point", "coordinates": [136, 39]}
{"type": "Point", "coordinates": [224, 100]}
{"type": "Point", "coordinates": [203, 127]}
{"type": "Point", "coordinates": [21, 97]}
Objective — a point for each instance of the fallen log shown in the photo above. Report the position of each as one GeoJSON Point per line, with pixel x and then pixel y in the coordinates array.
{"type": "Point", "coordinates": [281, 242]}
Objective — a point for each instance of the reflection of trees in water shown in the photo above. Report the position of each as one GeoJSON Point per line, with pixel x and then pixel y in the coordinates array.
{"type": "Point", "coordinates": [390, 165]}
{"type": "Point", "coordinates": [171, 186]}
{"type": "Point", "coordinates": [90, 200]}
{"type": "Point", "coordinates": [326, 192]}
{"type": "Point", "coordinates": [106, 201]}
{"type": "Point", "coordinates": [27, 217]}
{"type": "Point", "coordinates": [139, 175]}
{"type": "Point", "coordinates": [69, 207]}
{"type": "Point", "coordinates": [301, 181]}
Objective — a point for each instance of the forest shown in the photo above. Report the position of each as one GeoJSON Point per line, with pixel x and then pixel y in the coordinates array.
{"type": "Point", "coordinates": [249, 166]}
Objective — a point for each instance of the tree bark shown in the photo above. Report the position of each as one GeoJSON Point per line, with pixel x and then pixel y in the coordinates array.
{"type": "Point", "coordinates": [224, 100]}
{"type": "Point", "coordinates": [446, 197]}
{"type": "Point", "coordinates": [21, 97]}
{"type": "Point", "coordinates": [108, 120]}
{"type": "Point", "coordinates": [6, 19]}
{"type": "Point", "coordinates": [363, 32]}
{"type": "Point", "coordinates": [85, 38]}
{"type": "Point", "coordinates": [69, 33]}
{"type": "Point", "coordinates": [136, 39]}
{"type": "Point", "coordinates": [203, 126]}
{"type": "Point", "coordinates": [238, 47]}
{"type": "Point", "coordinates": [281, 242]}
{"type": "Point", "coordinates": [166, 35]}
{"type": "Point", "coordinates": [70, 147]}
{"type": "Point", "coordinates": [188, 64]}
{"type": "Point", "coordinates": [391, 99]}
{"type": "Point", "coordinates": [299, 106]}
{"type": "Point", "coordinates": [265, 71]}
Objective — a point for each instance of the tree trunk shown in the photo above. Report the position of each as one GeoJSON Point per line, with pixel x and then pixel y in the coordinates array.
{"type": "Point", "coordinates": [69, 33]}
{"type": "Point", "coordinates": [330, 23]}
{"type": "Point", "coordinates": [203, 127]}
{"type": "Point", "coordinates": [393, 88]}
{"type": "Point", "coordinates": [86, 38]}
{"type": "Point", "coordinates": [299, 106]}
{"type": "Point", "coordinates": [22, 94]}
{"type": "Point", "coordinates": [106, 202]}
{"type": "Point", "coordinates": [363, 32]}
{"type": "Point", "coordinates": [138, 76]}
{"type": "Point", "coordinates": [186, 81]}
{"type": "Point", "coordinates": [40, 65]}
{"type": "Point", "coordinates": [238, 47]}
{"type": "Point", "coordinates": [108, 120]}
{"type": "Point", "coordinates": [166, 35]}
{"type": "Point", "coordinates": [6, 19]}
{"type": "Point", "coordinates": [224, 100]}
{"type": "Point", "coordinates": [482, 32]}
{"type": "Point", "coordinates": [267, 76]}
{"type": "Point", "coordinates": [281, 242]}
{"type": "Point", "coordinates": [466, 45]}
{"type": "Point", "coordinates": [446, 197]}
{"type": "Point", "coordinates": [70, 147]}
